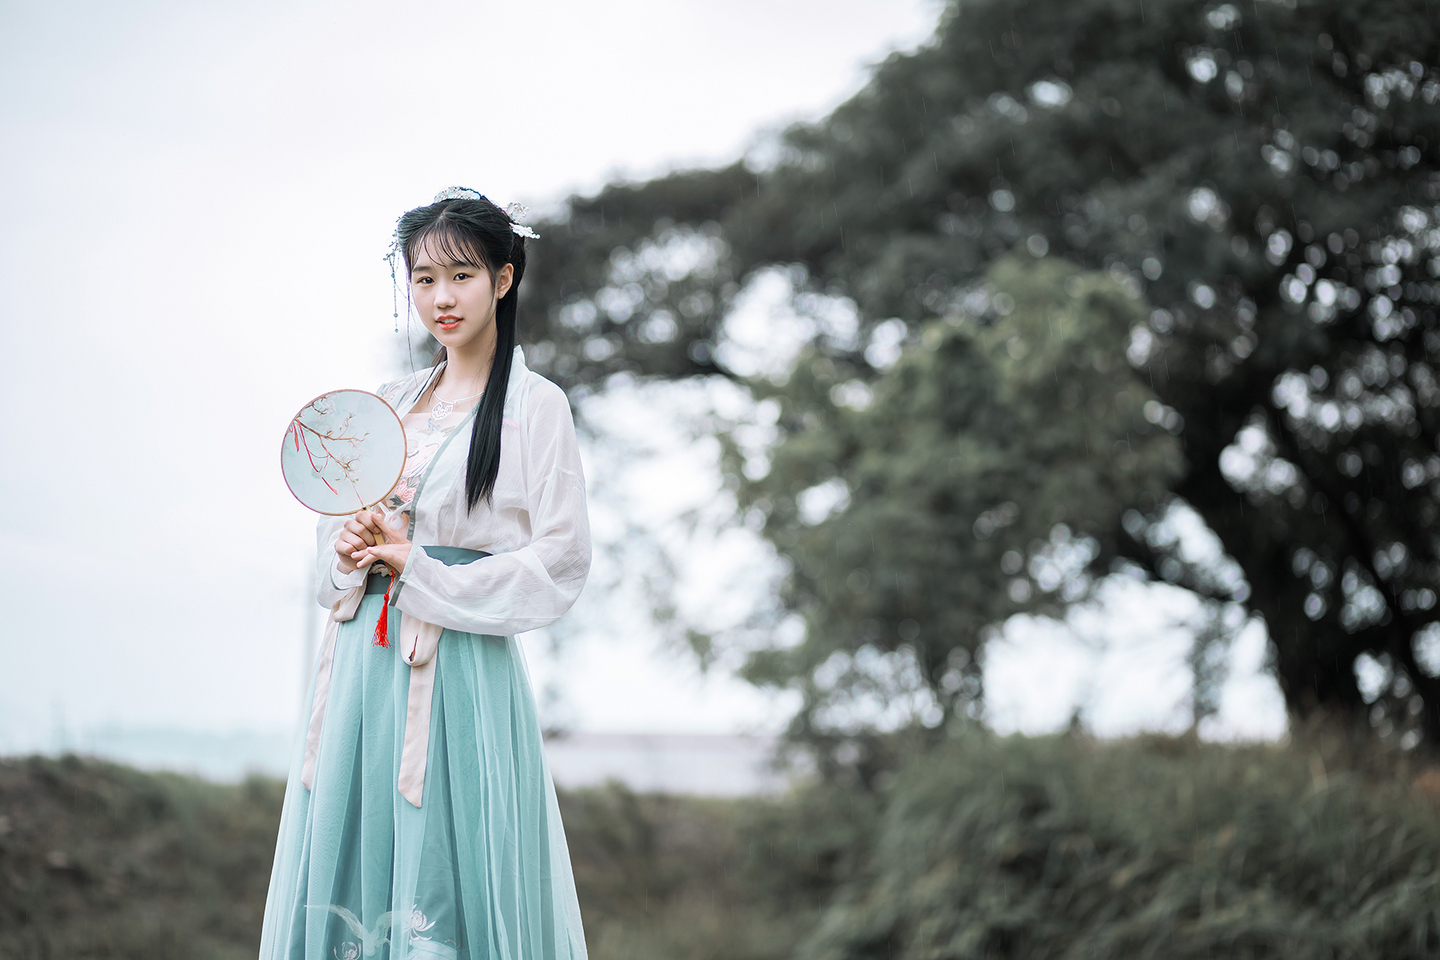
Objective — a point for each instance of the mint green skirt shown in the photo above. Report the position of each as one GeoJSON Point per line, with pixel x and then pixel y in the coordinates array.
{"type": "Point", "coordinates": [479, 870]}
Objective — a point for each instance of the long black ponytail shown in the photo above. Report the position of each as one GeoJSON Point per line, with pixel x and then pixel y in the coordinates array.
{"type": "Point", "coordinates": [471, 229]}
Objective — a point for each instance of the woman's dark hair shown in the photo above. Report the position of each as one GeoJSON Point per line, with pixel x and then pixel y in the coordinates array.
{"type": "Point", "coordinates": [475, 231]}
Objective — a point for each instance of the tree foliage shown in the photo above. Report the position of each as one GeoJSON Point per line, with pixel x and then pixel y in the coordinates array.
{"type": "Point", "coordinates": [981, 476]}
{"type": "Point", "coordinates": [1265, 173]}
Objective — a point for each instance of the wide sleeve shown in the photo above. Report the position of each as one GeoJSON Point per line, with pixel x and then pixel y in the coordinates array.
{"type": "Point", "coordinates": [535, 585]}
{"type": "Point", "coordinates": [330, 583]}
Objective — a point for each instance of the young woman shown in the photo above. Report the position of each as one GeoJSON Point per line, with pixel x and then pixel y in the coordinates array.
{"type": "Point", "coordinates": [420, 818]}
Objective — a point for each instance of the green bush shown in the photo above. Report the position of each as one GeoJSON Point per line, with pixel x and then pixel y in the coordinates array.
{"type": "Point", "coordinates": [1064, 847]}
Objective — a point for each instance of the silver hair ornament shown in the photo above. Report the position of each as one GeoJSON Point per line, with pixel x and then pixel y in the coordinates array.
{"type": "Point", "coordinates": [458, 193]}
{"type": "Point", "coordinates": [517, 212]}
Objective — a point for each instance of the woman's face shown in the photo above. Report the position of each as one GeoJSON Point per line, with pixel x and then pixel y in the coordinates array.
{"type": "Point", "coordinates": [456, 301]}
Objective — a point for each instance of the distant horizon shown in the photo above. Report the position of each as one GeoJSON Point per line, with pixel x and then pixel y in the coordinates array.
{"type": "Point", "coordinates": [715, 764]}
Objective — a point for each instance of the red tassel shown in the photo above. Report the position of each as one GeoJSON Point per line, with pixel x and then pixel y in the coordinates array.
{"type": "Point", "coordinates": [382, 626]}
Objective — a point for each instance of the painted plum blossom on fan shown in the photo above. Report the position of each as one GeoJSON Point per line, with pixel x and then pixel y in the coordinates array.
{"type": "Point", "coordinates": [343, 452]}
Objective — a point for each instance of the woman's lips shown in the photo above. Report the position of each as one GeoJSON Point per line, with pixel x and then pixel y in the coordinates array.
{"type": "Point", "coordinates": [447, 322]}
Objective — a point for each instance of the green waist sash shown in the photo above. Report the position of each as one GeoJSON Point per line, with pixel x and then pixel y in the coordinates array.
{"type": "Point", "coordinates": [449, 556]}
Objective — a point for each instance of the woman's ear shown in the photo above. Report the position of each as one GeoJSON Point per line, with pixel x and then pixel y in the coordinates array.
{"type": "Point", "coordinates": [503, 279]}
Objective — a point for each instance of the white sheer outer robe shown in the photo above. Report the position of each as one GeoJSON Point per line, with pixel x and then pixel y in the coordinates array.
{"type": "Point", "coordinates": [536, 527]}
{"type": "Point", "coordinates": [536, 523]}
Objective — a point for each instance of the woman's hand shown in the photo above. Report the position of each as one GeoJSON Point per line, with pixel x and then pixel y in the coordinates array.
{"type": "Point", "coordinates": [395, 551]}
{"type": "Point", "coordinates": [353, 540]}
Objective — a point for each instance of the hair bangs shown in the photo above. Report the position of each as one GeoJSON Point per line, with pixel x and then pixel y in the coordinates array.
{"type": "Point", "coordinates": [448, 243]}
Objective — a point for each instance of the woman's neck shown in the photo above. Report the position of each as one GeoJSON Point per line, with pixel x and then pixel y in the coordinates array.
{"type": "Point", "coordinates": [467, 369]}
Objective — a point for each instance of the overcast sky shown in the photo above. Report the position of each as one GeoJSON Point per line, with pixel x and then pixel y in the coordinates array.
{"type": "Point", "coordinates": [194, 203]}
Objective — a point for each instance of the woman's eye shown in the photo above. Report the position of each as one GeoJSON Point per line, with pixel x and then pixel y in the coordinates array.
{"type": "Point", "coordinates": [462, 276]}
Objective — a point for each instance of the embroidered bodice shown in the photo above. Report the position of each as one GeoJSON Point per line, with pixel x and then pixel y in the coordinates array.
{"type": "Point", "coordinates": [422, 438]}
{"type": "Point", "coordinates": [421, 442]}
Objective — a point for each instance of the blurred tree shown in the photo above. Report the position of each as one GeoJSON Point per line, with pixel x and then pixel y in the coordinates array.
{"type": "Point", "coordinates": [1267, 172]}
{"type": "Point", "coordinates": [978, 477]}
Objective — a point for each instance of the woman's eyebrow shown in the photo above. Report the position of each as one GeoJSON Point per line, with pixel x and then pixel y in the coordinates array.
{"type": "Point", "coordinates": [444, 266]}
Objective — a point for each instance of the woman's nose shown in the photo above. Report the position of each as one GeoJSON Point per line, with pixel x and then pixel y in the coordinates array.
{"type": "Point", "coordinates": [444, 295]}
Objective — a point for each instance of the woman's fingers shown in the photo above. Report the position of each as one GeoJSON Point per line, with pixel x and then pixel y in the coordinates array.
{"type": "Point", "coordinates": [392, 533]}
{"type": "Point", "coordinates": [348, 544]}
{"type": "Point", "coordinates": [371, 525]}
{"type": "Point", "coordinates": [360, 540]}
{"type": "Point", "coordinates": [395, 555]}
{"type": "Point", "coordinates": [355, 526]}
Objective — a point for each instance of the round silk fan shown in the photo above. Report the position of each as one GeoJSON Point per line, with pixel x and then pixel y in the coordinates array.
{"type": "Point", "coordinates": [343, 452]}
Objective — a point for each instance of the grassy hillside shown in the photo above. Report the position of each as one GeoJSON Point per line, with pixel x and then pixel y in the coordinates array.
{"type": "Point", "coordinates": [983, 847]}
{"type": "Point", "coordinates": [99, 860]}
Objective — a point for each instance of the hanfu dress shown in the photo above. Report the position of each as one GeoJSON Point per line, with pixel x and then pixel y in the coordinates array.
{"type": "Point", "coordinates": [420, 817]}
